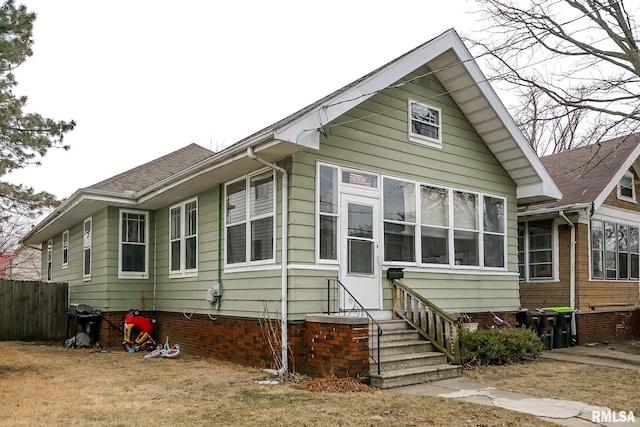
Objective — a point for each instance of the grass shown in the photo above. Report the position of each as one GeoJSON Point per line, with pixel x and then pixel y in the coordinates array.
{"type": "Point", "coordinates": [48, 385]}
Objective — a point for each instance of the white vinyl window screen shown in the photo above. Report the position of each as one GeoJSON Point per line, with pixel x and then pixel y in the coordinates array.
{"type": "Point", "coordinates": [250, 219]}
{"type": "Point", "coordinates": [86, 249]}
{"type": "Point", "coordinates": [535, 250]}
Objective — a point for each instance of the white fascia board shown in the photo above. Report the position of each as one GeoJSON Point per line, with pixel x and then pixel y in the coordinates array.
{"type": "Point", "coordinates": [76, 199]}
{"type": "Point", "coordinates": [555, 210]}
{"type": "Point", "coordinates": [544, 187]}
{"type": "Point", "coordinates": [614, 214]}
{"type": "Point", "coordinates": [616, 178]}
{"type": "Point", "coordinates": [306, 130]}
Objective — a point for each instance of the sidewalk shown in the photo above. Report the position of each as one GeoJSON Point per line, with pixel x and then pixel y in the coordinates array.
{"type": "Point", "coordinates": [563, 412]}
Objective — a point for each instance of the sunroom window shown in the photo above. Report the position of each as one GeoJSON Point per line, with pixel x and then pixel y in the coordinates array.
{"type": "Point", "coordinates": [49, 260]}
{"type": "Point", "coordinates": [614, 251]}
{"type": "Point", "coordinates": [327, 213]}
{"type": "Point", "coordinates": [399, 201]}
{"type": "Point", "coordinates": [250, 219]}
{"type": "Point", "coordinates": [86, 249]}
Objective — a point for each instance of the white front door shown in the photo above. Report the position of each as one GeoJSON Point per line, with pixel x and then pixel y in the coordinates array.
{"type": "Point", "coordinates": [359, 249]}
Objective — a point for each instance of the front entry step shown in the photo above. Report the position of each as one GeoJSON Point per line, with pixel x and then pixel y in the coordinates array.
{"type": "Point", "coordinates": [406, 358]}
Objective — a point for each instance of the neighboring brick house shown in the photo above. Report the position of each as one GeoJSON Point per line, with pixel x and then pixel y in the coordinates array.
{"type": "Point", "coordinates": [599, 274]}
{"type": "Point", "coordinates": [21, 264]}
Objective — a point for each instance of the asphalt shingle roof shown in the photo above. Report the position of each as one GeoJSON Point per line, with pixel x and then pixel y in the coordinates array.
{"type": "Point", "coordinates": [145, 175]}
{"type": "Point", "coordinates": [583, 173]}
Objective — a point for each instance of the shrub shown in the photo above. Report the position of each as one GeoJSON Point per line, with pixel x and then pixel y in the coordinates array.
{"type": "Point", "coordinates": [498, 346]}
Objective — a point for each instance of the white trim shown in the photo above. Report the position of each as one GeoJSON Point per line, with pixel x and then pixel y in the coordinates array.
{"type": "Point", "coordinates": [614, 214]}
{"type": "Point", "coordinates": [470, 271]}
{"type": "Point", "coordinates": [314, 267]}
{"type": "Point", "coordinates": [555, 255]}
{"type": "Point", "coordinates": [65, 264]}
{"type": "Point", "coordinates": [183, 271]}
{"type": "Point", "coordinates": [133, 274]}
{"type": "Point", "coordinates": [318, 214]}
{"type": "Point", "coordinates": [419, 138]}
{"type": "Point", "coordinates": [233, 268]}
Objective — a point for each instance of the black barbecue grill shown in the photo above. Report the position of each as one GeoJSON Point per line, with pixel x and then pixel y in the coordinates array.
{"type": "Point", "coordinates": [87, 317]}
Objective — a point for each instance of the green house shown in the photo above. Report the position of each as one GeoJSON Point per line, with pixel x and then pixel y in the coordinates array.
{"type": "Point", "coordinates": [416, 168]}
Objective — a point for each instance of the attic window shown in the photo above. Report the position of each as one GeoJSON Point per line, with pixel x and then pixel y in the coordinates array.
{"type": "Point", "coordinates": [425, 124]}
{"type": "Point", "coordinates": [626, 188]}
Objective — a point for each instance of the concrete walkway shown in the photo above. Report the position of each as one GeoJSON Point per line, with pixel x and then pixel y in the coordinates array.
{"type": "Point", "coordinates": [563, 412]}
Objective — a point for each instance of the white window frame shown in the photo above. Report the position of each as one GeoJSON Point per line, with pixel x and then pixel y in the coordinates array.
{"type": "Point", "coordinates": [423, 139]}
{"type": "Point", "coordinates": [248, 219]}
{"type": "Point", "coordinates": [65, 249]}
{"type": "Point", "coordinates": [87, 238]}
{"type": "Point", "coordinates": [49, 260]}
{"type": "Point", "coordinates": [133, 274]}
{"type": "Point", "coordinates": [621, 196]}
{"type": "Point", "coordinates": [183, 271]}
{"type": "Point", "coordinates": [336, 214]}
{"type": "Point", "coordinates": [527, 252]}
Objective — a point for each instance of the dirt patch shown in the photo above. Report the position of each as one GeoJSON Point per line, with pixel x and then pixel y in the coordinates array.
{"type": "Point", "coordinates": [54, 386]}
{"type": "Point", "coordinates": [632, 346]}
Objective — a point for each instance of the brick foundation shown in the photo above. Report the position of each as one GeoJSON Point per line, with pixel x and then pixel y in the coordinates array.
{"type": "Point", "coordinates": [607, 326]}
{"type": "Point", "coordinates": [319, 347]}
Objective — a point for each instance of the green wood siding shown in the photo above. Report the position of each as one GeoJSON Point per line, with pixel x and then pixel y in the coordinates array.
{"type": "Point", "coordinates": [374, 137]}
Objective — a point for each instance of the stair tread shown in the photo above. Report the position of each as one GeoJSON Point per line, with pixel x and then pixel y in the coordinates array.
{"type": "Point", "coordinates": [409, 356]}
{"type": "Point", "coordinates": [402, 343]}
{"type": "Point", "coordinates": [417, 370]}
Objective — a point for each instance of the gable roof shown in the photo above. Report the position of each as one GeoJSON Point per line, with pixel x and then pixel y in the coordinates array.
{"type": "Point", "coordinates": [587, 175]}
{"type": "Point", "coordinates": [445, 55]}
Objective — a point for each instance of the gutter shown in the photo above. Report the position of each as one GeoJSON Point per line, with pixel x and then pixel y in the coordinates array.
{"type": "Point", "coordinates": [283, 261]}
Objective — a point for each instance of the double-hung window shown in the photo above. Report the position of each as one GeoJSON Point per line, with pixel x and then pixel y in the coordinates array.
{"type": "Point", "coordinates": [250, 220]}
{"type": "Point", "coordinates": [626, 188]}
{"type": "Point", "coordinates": [615, 251]}
{"type": "Point", "coordinates": [183, 238]}
{"type": "Point", "coordinates": [86, 249]}
{"type": "Point", "coordinates": [425, 124]}
{"type": "Point", "coordinates": [535, 250]}
{"type": "Point", "coordinates": [49, 260]}
{"type": "Point", "coordinates": [134, 249]}
{"type": "Point", "coordinates": [65, 249]}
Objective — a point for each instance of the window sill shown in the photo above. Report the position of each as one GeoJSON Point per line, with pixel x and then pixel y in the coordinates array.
{"type": "Point", "coordinates": [424, 141]}
{"type": "Point", "coordinates": [251, 268]}
{"type": "Point", "coordinates": [183, 275]}
{"type": "Point", "coordinates": [142, 276]}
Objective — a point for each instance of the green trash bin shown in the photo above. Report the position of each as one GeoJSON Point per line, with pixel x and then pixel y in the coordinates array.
{"type": "Point", "coordinates": [562, 328]}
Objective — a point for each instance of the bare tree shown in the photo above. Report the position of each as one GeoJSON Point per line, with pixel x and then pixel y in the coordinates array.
{"type": "Point", "coordinates": [576, 64]}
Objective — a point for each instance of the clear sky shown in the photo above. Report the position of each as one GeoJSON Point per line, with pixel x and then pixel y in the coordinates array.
{"type": "Point", "coordinates": [144, 78]}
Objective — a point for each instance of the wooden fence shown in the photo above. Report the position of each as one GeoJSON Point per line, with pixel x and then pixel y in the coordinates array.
{"type": "Point", "coordinates": [32, 311]}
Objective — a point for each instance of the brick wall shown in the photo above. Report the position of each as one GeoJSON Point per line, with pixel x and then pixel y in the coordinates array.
{"type": "Point", "coordinates": [315, 348]}
{"type": "Point", "coordinates": [338, 348]}
{"type": "Point", "coordinates": [607, 326]}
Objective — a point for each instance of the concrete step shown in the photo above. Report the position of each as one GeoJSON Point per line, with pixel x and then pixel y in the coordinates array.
{"type": "Point", "coordinates": [403, 361]}
{"type": "Point", "coordinates": [389, 325]}
{"type": "Point", "coordinates": [395, 348]}
{"type": "Point", "coordinates": [408, 376]}
{"type": "Point", "coordinates": [396, 335]}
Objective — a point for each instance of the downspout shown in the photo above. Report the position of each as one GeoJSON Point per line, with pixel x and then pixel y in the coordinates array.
{"type": "Point", "coordinates": [220, 232]}
{"type": "Point", "coordinates": [155, 257]}
{"type": "Point", "coordinates": [284, 262]}
{"type": "Point", "coordinates": [572, 275]}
